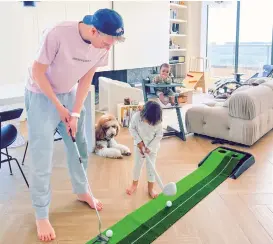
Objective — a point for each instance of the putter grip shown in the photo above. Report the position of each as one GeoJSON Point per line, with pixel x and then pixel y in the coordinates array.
{"type": "Point", "coordinates": [73, 138]}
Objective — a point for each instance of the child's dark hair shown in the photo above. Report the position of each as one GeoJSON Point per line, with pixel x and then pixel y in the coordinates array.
{"type": "Point", "coordinates": [152, 112]}
{"type": "Point", "coordinates": [165, 65]}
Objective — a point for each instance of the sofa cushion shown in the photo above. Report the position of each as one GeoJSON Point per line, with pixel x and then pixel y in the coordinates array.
{"type": "Point", "coordinates": [258, 80]}
{"type": "Point", "coordinates": [249, 103]}
{"type": "Point", "coordinates": [241, 88]}
{"type": "Point", "coordinates": [268, 82]}
{"type": "Point", "coordinates": [215, 122]}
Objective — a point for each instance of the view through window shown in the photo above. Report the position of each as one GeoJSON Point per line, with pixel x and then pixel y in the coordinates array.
{"type": "Point", "coordinates": [255, 37]}
{"type": "Point", "coordinates": [221, 38]}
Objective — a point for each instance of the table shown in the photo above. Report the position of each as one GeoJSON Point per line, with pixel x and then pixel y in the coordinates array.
{"type": "Point", "coordinates": [237, 76]}
{"type": "Point", "coordinates": [170, 130]}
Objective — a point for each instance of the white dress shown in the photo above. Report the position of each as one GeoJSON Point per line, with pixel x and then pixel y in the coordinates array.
{"type": "Point", "coordinates": [142, 131]}
{"type": "Point", "coordinates": [151, 137]}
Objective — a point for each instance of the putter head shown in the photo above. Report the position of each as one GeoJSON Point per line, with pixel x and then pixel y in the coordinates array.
{"type": "Point", "coordinates": [102, 239]}
{"type": "Point", "coordinates": [170, 189]}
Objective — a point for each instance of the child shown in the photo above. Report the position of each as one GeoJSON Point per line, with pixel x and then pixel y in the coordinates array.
{"type": "Point", "coordinates": [164, 77]}
{"type": "Point", "coordinates": [146, 129]}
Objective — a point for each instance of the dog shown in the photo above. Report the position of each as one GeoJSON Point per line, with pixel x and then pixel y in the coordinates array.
{"type": "Point", "coordinates": [106, 130]}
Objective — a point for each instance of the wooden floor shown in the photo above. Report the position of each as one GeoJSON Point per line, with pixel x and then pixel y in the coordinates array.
{"type": "Point", "coordinates": [238, 211]}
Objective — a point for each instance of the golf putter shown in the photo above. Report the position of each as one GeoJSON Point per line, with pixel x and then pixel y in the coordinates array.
{"type": "Point", "coordinates": [169, 189]}
{"type": "Point", "coordinates": [100, 238]}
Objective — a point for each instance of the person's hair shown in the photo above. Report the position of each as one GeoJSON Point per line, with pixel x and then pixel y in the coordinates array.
{"type": "Point", "coordinates": [151, 112]}
{"type": "Point", "coordinates": [165, 65]}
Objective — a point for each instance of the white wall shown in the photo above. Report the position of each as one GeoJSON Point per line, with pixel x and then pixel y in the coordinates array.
{"type": "Point", "coordinates": [11, 35]}
{"type": "Point", "coordinates": [20, 34]}
{"type": "Point", "coordinates": [147, 34]}
{"type": "Point", "coordinates": [146, 29]}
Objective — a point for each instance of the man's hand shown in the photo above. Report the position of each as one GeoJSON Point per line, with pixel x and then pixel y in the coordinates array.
{"type": "Point", "coordinates": [73, 123]}
{"type": "Point", "coordinates": [65, 116]}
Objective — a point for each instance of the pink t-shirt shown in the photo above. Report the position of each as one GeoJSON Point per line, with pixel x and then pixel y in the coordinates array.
{"type": "Point", "coordinates": [69, 58]}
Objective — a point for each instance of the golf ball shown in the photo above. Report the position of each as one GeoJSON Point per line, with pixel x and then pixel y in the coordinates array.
{"type": "Point", "coordinates": [169, 203]}
{"type": "Point", "coordinates": [109, 233]}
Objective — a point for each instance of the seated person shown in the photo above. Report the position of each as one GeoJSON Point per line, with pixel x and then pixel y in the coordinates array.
{"type": "Point", "coordinates": [164, 77]}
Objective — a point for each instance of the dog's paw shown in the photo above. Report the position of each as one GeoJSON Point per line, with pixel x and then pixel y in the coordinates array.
{"type": "Point", "coordinates": [119, 157]}
{"type": "Point", "coordinates": [127, 154]}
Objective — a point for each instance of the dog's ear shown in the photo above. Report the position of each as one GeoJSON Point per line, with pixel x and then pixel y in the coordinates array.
{"type": "Point", "coordinates": [99, 132]}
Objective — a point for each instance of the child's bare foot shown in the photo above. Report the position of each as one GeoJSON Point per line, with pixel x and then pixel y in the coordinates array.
{"type": "Point", "coordinates": [86, 197]}
{"type": "Point", "coordinates": [153, 193]}
{"type": "Point", "coordinates": [151, 190]}
{"type": "Point", "coordinates": [132, 188]}
{"type": "Point", "coordinates": [44, 230]}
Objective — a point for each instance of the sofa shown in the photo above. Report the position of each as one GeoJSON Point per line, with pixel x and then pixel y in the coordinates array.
{"type": "Point", "coordinates": [243, 118]}
{"type": "Point", "coordinates": [112, 92]}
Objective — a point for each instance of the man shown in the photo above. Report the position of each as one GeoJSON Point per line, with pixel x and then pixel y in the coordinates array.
{"type": "Point", "coordinates": [57, 87]}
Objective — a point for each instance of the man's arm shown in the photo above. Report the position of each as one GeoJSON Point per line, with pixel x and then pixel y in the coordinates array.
{"type": "Point", "coordinates": [38, 75]}
{"type": "Point", "coordinates": [48, 51]}
{"type": "Point", "coordinates": [83, 89]}
{"type": "Point", "coordinates": [133, 130]}
{"type": "Point", "coordinates": [85, 82]}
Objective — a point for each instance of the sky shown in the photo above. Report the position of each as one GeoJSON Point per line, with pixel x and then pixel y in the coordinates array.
{"type": "Point", "coordinates": [255, 25]}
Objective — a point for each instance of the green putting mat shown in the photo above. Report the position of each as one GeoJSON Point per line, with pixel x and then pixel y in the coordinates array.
{"type": "Point", "coordinates": [151, 220]}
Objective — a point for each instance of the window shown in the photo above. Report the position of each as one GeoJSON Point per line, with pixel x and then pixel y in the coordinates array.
{"type": "Point", "coordinates": [221, 38]}
{"type": "Point", "coordinates": [255, 36]}
{"type": "Point", "coordinates": [239, 37]}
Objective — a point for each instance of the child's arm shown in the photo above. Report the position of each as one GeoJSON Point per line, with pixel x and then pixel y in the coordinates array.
{"type": "Point", "coordinates": [156, 79]}
{"type": "Point", "coordinates": [133, 129]}
{"type": "Point", "coordinates": [158, 137]}
{"type": "Point", "coordinates": [168, 80]}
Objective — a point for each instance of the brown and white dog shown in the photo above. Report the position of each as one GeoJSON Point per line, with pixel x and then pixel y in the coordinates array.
{"type": "Point", "coordinates": [107, 129]}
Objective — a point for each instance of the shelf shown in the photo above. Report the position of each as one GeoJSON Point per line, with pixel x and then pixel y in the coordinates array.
{"type": "Point", "coordinates": [178, 21]}
{"type": "Point", "coordinates": [174, 5]}
{"type": "Point", "coordinates": [178, 50]}
{"type": "Point", "coordinates": [178, 35]}
{"type": "Point", "coordinates": [177, 63]}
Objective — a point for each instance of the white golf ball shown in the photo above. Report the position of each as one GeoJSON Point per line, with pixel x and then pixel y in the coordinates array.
{"type": "Point", "coordinates": [109, 233]}
{"type": "Point", "coordinates": [169, 203]}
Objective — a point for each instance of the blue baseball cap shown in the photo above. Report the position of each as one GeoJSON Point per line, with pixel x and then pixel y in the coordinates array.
{"type": "Point", "coordinates": [106, 21]}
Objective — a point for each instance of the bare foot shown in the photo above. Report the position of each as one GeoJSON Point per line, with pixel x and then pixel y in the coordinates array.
{"type": "Point", "coordinates": [45, 230]}
{"type": "Point", "coordinates": [153, 193]}
{"type": "Point", "coordinates": [151, 190]}
{"type": "Point", "coordinates": [88, 199]}
{"type": "Point", "coordinates": [132, 188]}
